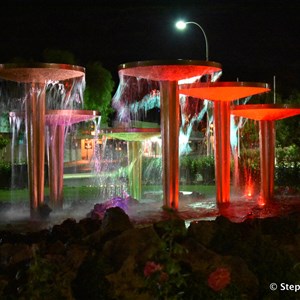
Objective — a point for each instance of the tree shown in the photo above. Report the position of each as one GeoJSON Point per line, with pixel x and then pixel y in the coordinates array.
{"type": "Point", "coordinates": [3, 142]}
{"type": "Point", "coordinates": [99, 82]}
{"type": "Point", "coordinates": [99, 88]}
{"type": "Point", "coordinates": [287, 130]}
{"type": "Point", "coordinates": [59, 56]}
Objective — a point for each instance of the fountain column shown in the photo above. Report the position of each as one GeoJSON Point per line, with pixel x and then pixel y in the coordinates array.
{"type": "Point", "coordinates": [35, 123]}
{"type": "Point", "coordinates": [267, 159]}
{"type": "Point", "coordinates": [135, 172]}
{"type": "Point", "coordinates": [222, 151]}
{"type": "Point", "coordinates": [56, 165]}
{"type": "Point", "coordinates": [170, 123]}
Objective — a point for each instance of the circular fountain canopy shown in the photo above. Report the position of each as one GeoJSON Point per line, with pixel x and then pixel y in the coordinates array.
{"type": "Point", "coordinates": [39, 72]}
{"type": "Point", "coordinates": [173, 70]}
{"type": "Point", "coordinates": [132, 134]}
{"type": "Point", "coordinates": [64, 116]}
{"type": "Point", "coordinates": [266, 112]}
{"type": "Point", "coordinates": [223, 91]}
{"type": "Point", "coordinates": [69, 117]}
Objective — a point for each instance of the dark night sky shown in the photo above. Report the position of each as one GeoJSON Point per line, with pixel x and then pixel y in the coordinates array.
{"type": "Point", "coordinates": [253, 40]}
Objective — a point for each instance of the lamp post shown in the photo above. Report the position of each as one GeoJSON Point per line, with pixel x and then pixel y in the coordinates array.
{"type": "Point", "coordinates": [182, 25]}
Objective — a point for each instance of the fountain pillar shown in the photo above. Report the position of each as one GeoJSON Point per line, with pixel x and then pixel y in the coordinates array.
{"type": "Point", "coordinates": [170, 123]}
{"type": "Point", "coordinates": [222, 151]}
{"type": "Point", "coordinates": [267, 159]}
{"type": "Point", "coordinates": [135, 172]}
{"type": "Point", "coordinates": [56, 165]}
{"type": "Point", "coordinates": [35, 123]}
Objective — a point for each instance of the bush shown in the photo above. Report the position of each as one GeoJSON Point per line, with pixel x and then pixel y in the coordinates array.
{"type": "Point", "coordinates": [13, 177]}
{"type": "Point", "coordinates": [287, 171]}
{"type": "Point", "coordinates": [191, 167]}
{"type": "Point", "coordinates": [5, 174]}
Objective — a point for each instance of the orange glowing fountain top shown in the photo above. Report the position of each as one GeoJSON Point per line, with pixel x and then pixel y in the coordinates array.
{"type": "Point", "coordinates": [270, 112]}
{"type": "Point", "coordinates": [169, 70]}
{"type": "Point", "coordinates": [222, 93]}
{"type": "Point", "coordinates": [40, 72]}
{"type": "Point", "coordinates": [168, 73]}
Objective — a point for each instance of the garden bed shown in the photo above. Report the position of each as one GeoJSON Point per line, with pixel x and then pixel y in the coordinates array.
{"type": "Point", "coordinates": [114, 258]}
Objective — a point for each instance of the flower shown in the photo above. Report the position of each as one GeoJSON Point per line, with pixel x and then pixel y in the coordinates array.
{"type": "Point", "coordinates": [219, 279]}
{"type": "Point", "coordinates": [151, 267]}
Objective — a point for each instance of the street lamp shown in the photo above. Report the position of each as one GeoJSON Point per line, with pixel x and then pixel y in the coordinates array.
{"type": "Point", "coordinates": [182, 25]}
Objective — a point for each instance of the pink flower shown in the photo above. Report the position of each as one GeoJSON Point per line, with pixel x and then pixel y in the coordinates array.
{"type": "Point", "coordinates": [219, 279]}
{"type": "Point", "coordinates": [151, 267]}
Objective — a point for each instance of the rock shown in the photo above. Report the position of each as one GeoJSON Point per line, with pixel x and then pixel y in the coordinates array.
{"type": "Point", "coordinates": [127, 283]}
{"type": "Point", "coordinates": [12, 254]}
{"type": "Point", "coordinates": [3, 284]}
{"type": "Point", "coordinates": [65, 231]}
{"type": "Point", "coordinates": [173, 228]}
{"type": "Point", "coordinates": [38, 236]}
{"type": "Point", "coordinates": [202, 231]}
{"type": "Point", "coordinates": [44, 211]}
{"type": "Point", "coordinates": [127, 203]}
{"type": "Point", "coordinates": [56, 248]}
{"type": "Point", "coordinates": [89, 225]}
{"type": "Point", "coordinates": [90, 282]}
{"type": "Point", "coordinates": [143, 243]}
{"type": "Point", "coordinates": [115, 221]}
{"type": "Point", "coordinates": [76, 255]}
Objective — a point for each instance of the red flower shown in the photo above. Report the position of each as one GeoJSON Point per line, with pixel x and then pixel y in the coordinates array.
{"type": "Point", "coordinates": [219, 279]}
{"type": "Point", "coordinates": [151, 267]}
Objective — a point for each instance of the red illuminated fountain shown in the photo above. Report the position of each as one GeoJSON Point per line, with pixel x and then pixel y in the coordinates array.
{"type": "Point", "coordinates": [222, 93]}
{"type": "Point", "coordinates": [168, 73]}
{"type": "Point", "coordinates": [266, 114]}
{"type": "Point", "coordinates": [36, 76]}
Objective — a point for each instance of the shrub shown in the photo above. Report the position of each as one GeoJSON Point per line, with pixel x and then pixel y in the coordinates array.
{"type": "Point", "coordinates": [287, 171]}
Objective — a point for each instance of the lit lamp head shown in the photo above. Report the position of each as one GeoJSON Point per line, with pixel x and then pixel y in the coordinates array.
{"type": "Point", "coordinates": [181, 25]}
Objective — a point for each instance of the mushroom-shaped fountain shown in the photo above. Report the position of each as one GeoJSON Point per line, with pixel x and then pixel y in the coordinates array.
{"type": "Point", "coordinates": [266, 114]}
{"type": "Point", "coordinates": [134, 137]}
{"type": "Point", "coordinates": [168, 73]}
{"type": "Point", "coordinates": [56, 121]}
{"type": "Point", "coordinates": [222, 94]}
{"type": "Point", "coordinates": [37, 77]}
